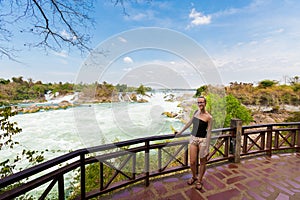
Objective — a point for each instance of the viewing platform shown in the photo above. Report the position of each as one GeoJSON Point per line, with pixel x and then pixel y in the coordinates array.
{"type": "Point", "coordinates": [244, 162]}
{"type": "Point", "coordinates": [276, 177]}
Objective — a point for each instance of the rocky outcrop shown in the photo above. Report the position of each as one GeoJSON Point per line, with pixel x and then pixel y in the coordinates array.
{"type": "Point", "coordinates": [170, 114]}
{"type": "Point", "coordinates": [36, 108]}
{"type": "Point", "coordinates": [267, 118]}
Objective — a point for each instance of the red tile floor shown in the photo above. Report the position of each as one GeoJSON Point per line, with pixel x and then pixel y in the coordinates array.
{"type": "Point", "coordinates": [276, 177]}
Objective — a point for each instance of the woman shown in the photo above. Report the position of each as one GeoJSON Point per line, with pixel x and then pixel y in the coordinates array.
{"type": "Point", "coordinates": [200, 140]}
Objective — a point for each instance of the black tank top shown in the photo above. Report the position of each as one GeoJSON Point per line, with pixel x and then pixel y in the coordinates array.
{"type": "Point", "coordinates": [199, 128]}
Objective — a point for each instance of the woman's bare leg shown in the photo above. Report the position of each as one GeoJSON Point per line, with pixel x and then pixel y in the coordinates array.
{"type": "Point", "coordinates": [193, 159]}
{"type": "Point", "coordinates": [202, 168]}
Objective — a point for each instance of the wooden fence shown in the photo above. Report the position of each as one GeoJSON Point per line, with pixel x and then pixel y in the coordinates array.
{"type": "Point", "coordinates": [159, 155]}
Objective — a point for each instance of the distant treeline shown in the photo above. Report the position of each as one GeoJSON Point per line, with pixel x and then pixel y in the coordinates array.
{"type": "Point", "coordinates": [266, 93]}
{"type": "Point", "coordinates": [19, 90]}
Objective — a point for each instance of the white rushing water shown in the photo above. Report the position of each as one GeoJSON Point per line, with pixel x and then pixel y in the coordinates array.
{"type": "Point", "coordinates": [61, 131]}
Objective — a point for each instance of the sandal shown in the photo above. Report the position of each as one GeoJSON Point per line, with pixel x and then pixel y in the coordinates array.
{"type": "Point", "coordinates": [199, 185]}
{"type": "Point", "coordinates": [191, 181]}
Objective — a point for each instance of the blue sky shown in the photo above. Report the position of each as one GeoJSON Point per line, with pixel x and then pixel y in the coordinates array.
{"type": "Point", "coordinates": [247, 40]}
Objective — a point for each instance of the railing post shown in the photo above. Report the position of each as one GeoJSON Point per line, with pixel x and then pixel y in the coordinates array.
{"type": "Point", "coordinates": [269, 141]}
{"type": "Point", "coordinates": [147, 163]}
{"type": "Point", "coordinates": [82, 176]}
{"type": "Point", "coordinates": [61, 188]}
{"type": "Point", "coordinates": [235, 141]}
{"type": "Point", "coordinates": [298, 139]}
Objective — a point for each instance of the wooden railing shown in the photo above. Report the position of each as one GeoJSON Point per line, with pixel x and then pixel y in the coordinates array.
{"type": "Point", "coordinates": [160, 155]}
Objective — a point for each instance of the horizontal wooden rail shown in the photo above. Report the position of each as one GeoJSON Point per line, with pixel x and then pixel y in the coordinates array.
{"type": "Point", "coordinates": [161, 155]}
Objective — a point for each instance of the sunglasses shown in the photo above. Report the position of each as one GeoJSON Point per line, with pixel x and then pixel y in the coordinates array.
{"type": "Point", "coordinates": [200, 102]}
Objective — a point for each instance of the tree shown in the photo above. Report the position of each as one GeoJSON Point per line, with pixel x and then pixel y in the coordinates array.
{"type": "Point", "coordinates": [3, 81]}
{"type": "Point", "coordinates": [223, 109]}
{"type": "Point", "coordinates": [141, 90]}
{"type": "Point", "coordinates": [201, 90]}
{"type": "Point", "coordinates": [295, 80]}
{"type": "Point", "coordinates": [234, 109]}
{"type": "Point", "coordinates": [55, 24]}
{"type": "Point", "coordinates": [267, 83]}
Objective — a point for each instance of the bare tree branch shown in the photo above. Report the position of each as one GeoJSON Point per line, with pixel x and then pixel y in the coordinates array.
{"type": "Point", "coordinates": [56, 24]}
{"type": "Point", "coordinates": [66, 21]}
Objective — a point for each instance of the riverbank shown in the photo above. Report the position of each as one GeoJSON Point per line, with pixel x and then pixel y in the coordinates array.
{"type": "Point", "coordinates": [73, 100]}
{"type": "Point", "coordinates": [260, 114]}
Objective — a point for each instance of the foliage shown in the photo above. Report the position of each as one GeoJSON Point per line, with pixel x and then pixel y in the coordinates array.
{"type": "Point", "coordinates": [224, 108]}
{"type": "Point", "coordinates": [201, 90]}
{"type": "Point", "coordinates": [263, 95]}
{"type": "Point", "coordinates": [295, 117]}
{"type": "Point", "coordinates": [142, 89]}
{"type": "Point", "coordinates": [93, 174]}
{"type": "Point", "coordinates": [7, 130]}
{"type": "Point", "coordinates": [19, 90]}
{"type": "Point", "coordinates": [296, 87]}
{"type": "Point", "coordinates": [216, 106]}
{"type": "Point", "coordinates": [294, 80]}
{"type": "Point", "coordinates": [234, 109]}
{"type": "Point", "coordinates": [267, 83]}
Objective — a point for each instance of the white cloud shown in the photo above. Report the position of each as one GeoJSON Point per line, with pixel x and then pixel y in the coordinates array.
{"type": "Point", "coordinates": [253, 43]}
{"type": "Point", "coordinates": [138, 17]}
{"type": "Point", "coordinates": [141, 16]}
{"type": "Point", "coordinates": [281, 30]}
{"type": "Point", "coordinates": [198, 18]}
{"type": "Point", "coordinates": [127, 60]}
{"type": "Point", "coordinates": [67, 35]}
{"type": "Point", "coordinates": [64, 33]}
{"type": "Point", "coordinates": [127, 69]}
{"type": "Point", "coordinates": [62, 53]}
{"type": "Point", "coordinates": [122, 39]}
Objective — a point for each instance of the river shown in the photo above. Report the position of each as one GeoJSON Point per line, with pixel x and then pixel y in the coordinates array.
{"type": "Point", "coordinates": [61, 131]}
{"type": "Point", "coordinates": [57, 132]}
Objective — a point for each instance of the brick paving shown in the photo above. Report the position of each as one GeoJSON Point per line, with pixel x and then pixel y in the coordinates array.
{"type": "Point", "coordinates": [276, 177]}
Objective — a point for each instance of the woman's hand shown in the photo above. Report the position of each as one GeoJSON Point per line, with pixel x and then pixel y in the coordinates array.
{"type": "Point", "coordinates": [177, 133]}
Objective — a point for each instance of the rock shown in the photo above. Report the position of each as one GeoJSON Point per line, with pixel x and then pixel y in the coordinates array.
{"type": "Point", "coordinates": [170, 114]}
{"type": "Point", "coordinates": [142, 100]}
{"type": "Point", "coordinates": [268, 117]}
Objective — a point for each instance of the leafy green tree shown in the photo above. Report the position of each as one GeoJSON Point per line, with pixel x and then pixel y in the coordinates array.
{"type": "Point", "coordinates": [267, 83]}
{"type": "Point", "coordinates": [224, 108]}
{"type": "Point", "coordinates": [201, 90]}
{"type": "Point", "coordinates": [234, 109]}
{"type": "Point", "coordinates": [216, 106]}
{"type": "Point", "coordinates": [18, 79]}
{"type": "Point", "coordinates": [296, 87]}
{"type": "Point", "coordinates": [294, 80]}
{"type": "Point", "coordinates": [3, 81]}
{"type": "Point", "coordinates": [121, 88]}
{"type": "Point", "coordinates": [141, 90]}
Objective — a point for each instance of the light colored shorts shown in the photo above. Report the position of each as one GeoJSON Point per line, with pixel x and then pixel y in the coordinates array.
{"type": "Point", "coordinates": [201, 143]}
{"type": "Point", "coordinates": [198, 141]}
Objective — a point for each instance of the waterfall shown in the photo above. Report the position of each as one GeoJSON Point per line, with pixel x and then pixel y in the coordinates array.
{"type": "Point", "coordinates": [127, 95]}
{"type": "Point", "coordinates": [121, 99]}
